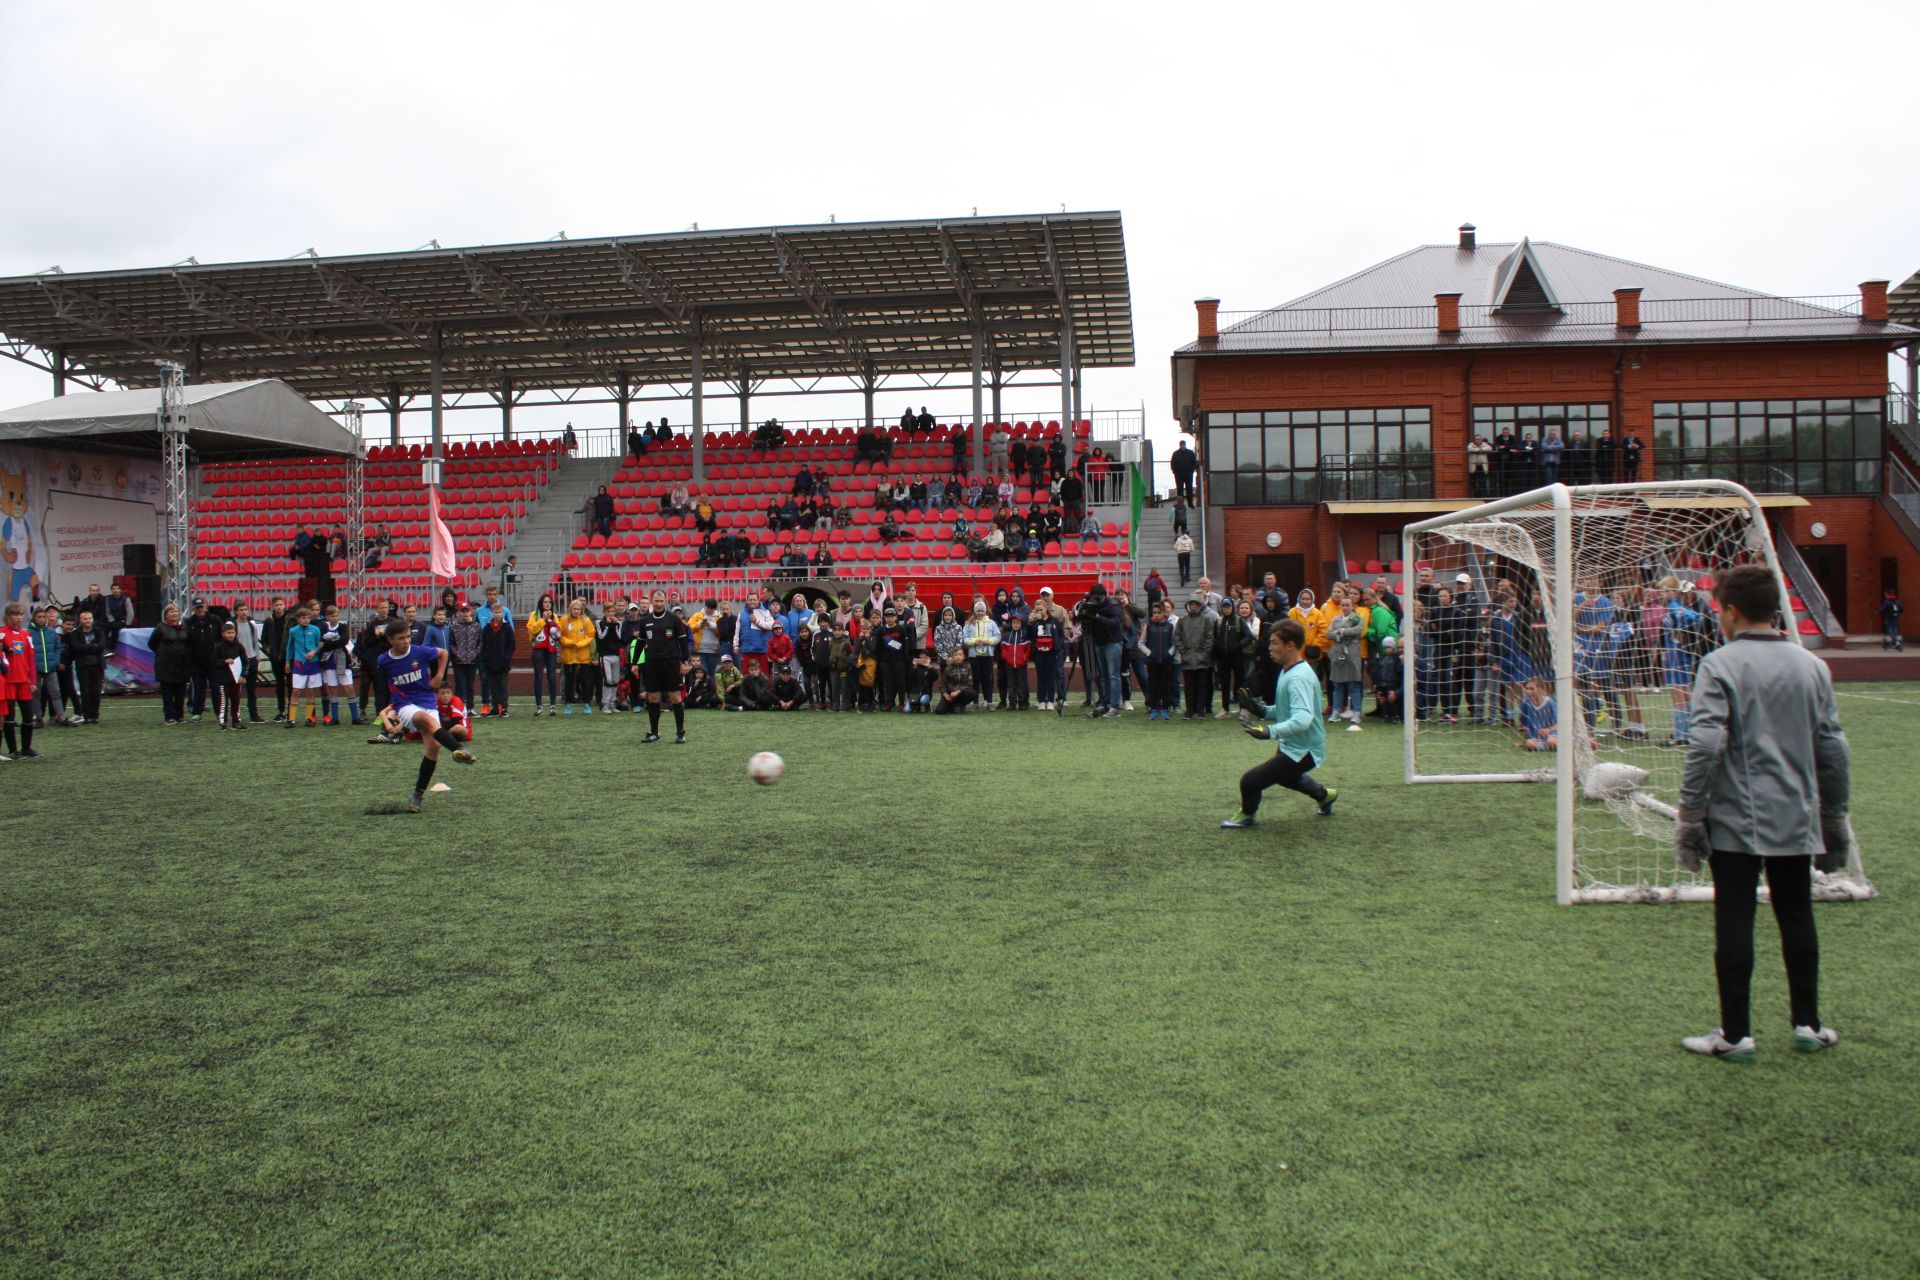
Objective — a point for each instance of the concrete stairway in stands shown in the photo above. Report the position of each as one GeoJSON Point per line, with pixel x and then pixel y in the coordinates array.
{"type": "Point", "coordinates": [1153, 546]}
{"type": "Point", "coordinates": [547, 532]}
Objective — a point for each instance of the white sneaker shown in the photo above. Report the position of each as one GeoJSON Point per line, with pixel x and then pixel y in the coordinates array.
{"type": "Point", "coordinates": [1807, 1040]}
{"type": "Point", "coordinates": [1127, 706]}
{"type": "Point", "coordinates": [1716, 1045]}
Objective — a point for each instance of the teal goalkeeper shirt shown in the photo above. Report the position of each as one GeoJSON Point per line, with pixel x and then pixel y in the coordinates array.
{"type": "Point", "coordinates": [1295, 725]}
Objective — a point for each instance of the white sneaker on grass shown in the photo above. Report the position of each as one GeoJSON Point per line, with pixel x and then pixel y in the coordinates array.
{"type": "Point", "coordinates": [1716, 1045]}
{"type": "Point", "coordinates": [1807, 1040]}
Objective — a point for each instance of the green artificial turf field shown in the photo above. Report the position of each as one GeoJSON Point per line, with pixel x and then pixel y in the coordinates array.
{"type": "Point", "coordinates": [977, 996]}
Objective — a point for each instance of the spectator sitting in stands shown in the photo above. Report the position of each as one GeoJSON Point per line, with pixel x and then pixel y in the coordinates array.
{"type": "Point", "coordinates": [663, 433]}
{"type": "Point", "coordinates": [882, 495]}
{"type": "Point", "coordinates": [377, 548]}
{"type": "Point", "coordinates": [959, 533]}
{"type": "Point", "coordinates": [1089, 527]}
{"type": "Point", "coordinates": [822, 559]}
{"type": "Point", "coordinates": [936, 493]}
{"type": "Point", "coordinates": [636, 447]}
{"type": "Point", "coordinates": [917, 493]}
{"type": "Point", "coordinates": [705, 518]}
{"type": "Point", "coordinates": [976, 490]}
{"type": "Point", "coordinates": [890, 529]}
{"type": "Point", "coordinates": [678, 501]}
{"type": "Point", "coordinates": [793, 564]}
{"type": "Point", "coordinates": [1003, 492]}
{"type": "Point", "coordinates": [803, 480]}
{"type": "Point", "coordinates": [822, 484]}
{"type": "Point", "coordinates": [773, 513]}
{"type": "Point", "coordinates": [901, 493]}
{"type": "Point", "coordinates": [769, 435]}
{"type": "Point", "coordinates": [823, 515]}
{"type": "Point", "coordinates": [994, 545]}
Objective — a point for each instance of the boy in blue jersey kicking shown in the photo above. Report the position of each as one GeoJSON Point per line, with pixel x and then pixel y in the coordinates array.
{"type": "Point", "coordinates": [1292, 723]}
{"type": "Point", "coordinates": [415, 673]}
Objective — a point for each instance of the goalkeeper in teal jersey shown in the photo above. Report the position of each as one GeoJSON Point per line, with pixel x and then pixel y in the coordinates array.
{"type": "Point", "coordinates": [1292, 723]}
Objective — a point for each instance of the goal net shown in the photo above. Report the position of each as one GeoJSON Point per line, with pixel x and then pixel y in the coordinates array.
{"type": "Point", "coordinates": [1566, 657]}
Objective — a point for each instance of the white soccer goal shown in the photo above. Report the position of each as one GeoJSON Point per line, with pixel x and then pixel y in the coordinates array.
{"type": "Point", "coordinates": [1595, 599]}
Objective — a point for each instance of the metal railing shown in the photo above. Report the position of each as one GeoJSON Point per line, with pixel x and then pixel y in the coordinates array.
{"type": "Point", "coordinates": [736, 585]}
{"type": "Point", "coordinates": [1759, 467]}
{"type": "Point", "coordinates": [1903, 493]}
{"type": "Point", "coordinates": [1653, 311]}
{"type": "Point", "coordinates": [611, 442]}
{"type": "Point", "coordinates": [1807, 587]}
{"type": "Point", "coordinates": [1370, 478]}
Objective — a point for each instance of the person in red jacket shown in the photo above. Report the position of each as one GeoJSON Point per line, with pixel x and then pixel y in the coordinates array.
{"type": "Point", "coordinates": [779, 646]}
{"type": "Point", "coordinates": [1016, 651]}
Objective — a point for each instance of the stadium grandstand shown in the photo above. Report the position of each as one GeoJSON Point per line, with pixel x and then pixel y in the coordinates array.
{"type": "Point", "coordinates": [999, 307]}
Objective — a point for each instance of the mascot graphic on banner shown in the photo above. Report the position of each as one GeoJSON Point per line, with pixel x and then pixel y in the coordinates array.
{"type": "Point", "coordinates": [16, 535]}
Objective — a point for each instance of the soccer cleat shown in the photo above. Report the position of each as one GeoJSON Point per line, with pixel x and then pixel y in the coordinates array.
{"type": "Point", "coordinates": [650, 736]}
{"type": "Point", "coordinates": [679, 739]}
{"type": "Point", "coordinates": [463, 757]}
{"type": "Point", "coordinates": [1238, 822]}
{"type": "Point", "coordinates": [1807, 1040]}
{"type": "Point", "coordinates": [326, 720]}
{"type": "Point", "coordinates": [569, 708]}
{"type": "Point", "coordinates": [1326, 806]}
{"type": "Point", "coordinates": [28, 754]}
{"type": "Point", "coordinates": [413, 804]}
{"type": "Point", "coordinates": [1716, 1045]}
{"type": "Point", "coordinates": [587, 710]}
{"type": "Point", "coordinates": [193, 719]}
{"type": "Point", "coordinates": [291, 724]}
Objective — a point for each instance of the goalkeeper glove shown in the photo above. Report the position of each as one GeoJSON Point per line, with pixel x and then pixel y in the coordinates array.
{"type": "Point", "coordinates": [1254, 728]}
{"type": "Point", "coordinates": [1691, 847]}
{"type": "Point", "coordinates": [1837, 837]}
{"type": "Point", "coordinates": [1249, 702]}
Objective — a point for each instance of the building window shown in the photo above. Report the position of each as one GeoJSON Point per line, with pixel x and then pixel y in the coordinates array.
{"type": "Point", "coordinates": [1590, 420]}
{"type": "Point", "coordinates": [1772, 446]}
{"type": "Point", "coordinates": [1298, 457]}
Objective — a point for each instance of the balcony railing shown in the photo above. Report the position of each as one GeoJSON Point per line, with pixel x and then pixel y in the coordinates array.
{"type": "Point", "coordinates": [1653, 311]}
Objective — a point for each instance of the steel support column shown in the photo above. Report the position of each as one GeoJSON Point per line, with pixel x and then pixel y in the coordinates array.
{"type": "Point", "coordinates": [1066, 392]}
{"type": "Point", "coordinates": [746, 390]}
{"type": "Point", "coordinates": [623, 397]}
{"type": "Point", "coordinates": [979, 374]}
{"type": "Point", "coordinates": [178, 566]}
{"type": "Point", "coordinates": [1913, 384]}
{"type": "Point", "coordinates": [506, 407]}
{"type": "Point", "coordinates": [999, 377]}
{"type": "Point", "coordinates": [698, 392]}
{"type": "Point", "coordinates": [434, 371]}
{"type": "Point", "coordinates": [356, 510]}
{"type": "Point", "coordinates": [393, 413]}
{"type": "Point", "coordinates": [59, 372]}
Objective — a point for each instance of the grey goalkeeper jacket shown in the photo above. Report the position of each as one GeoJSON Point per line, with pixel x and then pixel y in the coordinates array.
{"type": "Point", "coordinates": [1765, 754]}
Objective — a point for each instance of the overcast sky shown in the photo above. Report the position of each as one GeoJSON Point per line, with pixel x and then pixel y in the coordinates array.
{"type": "Point", "coordinates": [1255, 150]}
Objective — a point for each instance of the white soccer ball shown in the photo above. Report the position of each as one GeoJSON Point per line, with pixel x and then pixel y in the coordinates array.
{"type": "Point", "coordinates": [1613, 780]}
{"type": "Point", "coordinates": [766, 768]}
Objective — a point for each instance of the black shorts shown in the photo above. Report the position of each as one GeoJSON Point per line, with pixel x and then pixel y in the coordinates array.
{"type": "Point", "coordinates": [660, 675]}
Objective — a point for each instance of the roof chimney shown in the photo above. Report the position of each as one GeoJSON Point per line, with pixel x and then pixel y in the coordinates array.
{"type": "Point", "coordinates": [1447, 307]}
{"type": "Point", "coordinates": [1626, 308]}
{"type": "Point", "coordinates": [1873, 301]}
{"type": "Point", "coordinates": [1209, 309]}
{"type": "Point", "coordinates": [1466, 236]}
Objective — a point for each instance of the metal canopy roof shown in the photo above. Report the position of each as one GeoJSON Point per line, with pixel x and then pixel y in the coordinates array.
{"type": "Point", "coordinates": [849, 299]}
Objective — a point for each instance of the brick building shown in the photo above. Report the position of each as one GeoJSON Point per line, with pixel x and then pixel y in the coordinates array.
{"type": "Point", "coordinates": [1326, 424]}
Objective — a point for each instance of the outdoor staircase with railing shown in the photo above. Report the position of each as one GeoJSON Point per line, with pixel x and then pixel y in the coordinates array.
{"type": "Point", "coordinates": [1808, 589]}
{"type": "Point", "coordinates": [545, 536]}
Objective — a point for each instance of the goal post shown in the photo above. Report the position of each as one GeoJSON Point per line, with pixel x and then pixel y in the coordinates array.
{"type": "Point", "coordinates": [1598, 599]}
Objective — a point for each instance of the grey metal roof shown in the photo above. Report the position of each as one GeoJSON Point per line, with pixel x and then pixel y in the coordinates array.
{"type": "Point", "coordinates": [1390, 306]}
{"type": "Point", "coordinates": [791, 302]}
{"type": "Point", "coordinates": [1903, 300]}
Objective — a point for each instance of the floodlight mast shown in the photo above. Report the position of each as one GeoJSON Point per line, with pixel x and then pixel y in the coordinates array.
{"type": "Point", "coordinates": [179, 503]}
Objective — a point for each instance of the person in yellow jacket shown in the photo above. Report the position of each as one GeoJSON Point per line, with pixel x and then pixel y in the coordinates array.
{"type": "Point", "coordinates": [578, 637]}
{"type": "Point", "coordinates": [1312, 618]}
